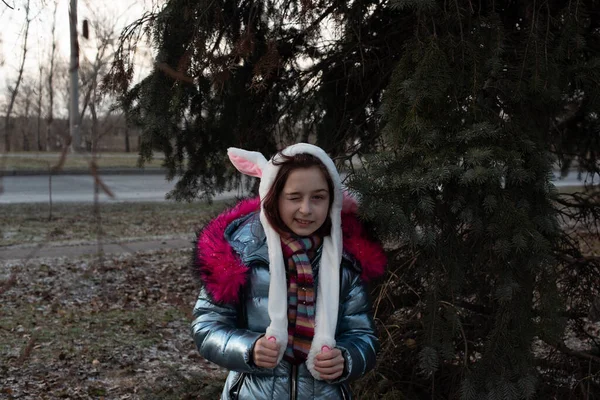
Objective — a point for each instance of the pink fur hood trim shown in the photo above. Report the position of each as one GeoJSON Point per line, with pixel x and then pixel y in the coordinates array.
{"type": "Point", "coordinates": [223, 274]}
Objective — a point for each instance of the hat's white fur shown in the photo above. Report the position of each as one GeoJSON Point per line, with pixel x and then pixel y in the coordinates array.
{"type": "Point", "coordinates": [329, 277]}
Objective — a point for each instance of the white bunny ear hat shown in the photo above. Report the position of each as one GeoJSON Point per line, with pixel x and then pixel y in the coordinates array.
{"type": "Point", "coordinates": [254, 164]}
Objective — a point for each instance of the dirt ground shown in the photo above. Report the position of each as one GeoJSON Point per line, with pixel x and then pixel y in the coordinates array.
{"type": "Point", "coordinates": [87, 328]}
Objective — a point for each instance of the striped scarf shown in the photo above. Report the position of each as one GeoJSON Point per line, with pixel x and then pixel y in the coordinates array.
{"type": "Point", "coordinates": [298, 253]}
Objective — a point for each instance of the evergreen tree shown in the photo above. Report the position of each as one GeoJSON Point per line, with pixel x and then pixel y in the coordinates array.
{"type": "Point", "coordinates": [260, 74]}
{"type": "Point", "coordinates": [466, 107]}
{"type": "Point", "coordinates": [464, 188]}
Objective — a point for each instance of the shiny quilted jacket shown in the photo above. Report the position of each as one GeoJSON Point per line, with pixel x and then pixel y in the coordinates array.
{"type": "Point", "coordinates": [230, 314]}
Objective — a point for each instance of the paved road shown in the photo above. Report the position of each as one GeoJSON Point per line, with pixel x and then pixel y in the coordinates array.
{"type": "Point", "coordinates": [573, 179]}
{"type": "Point", "coordinates": [80, 188]}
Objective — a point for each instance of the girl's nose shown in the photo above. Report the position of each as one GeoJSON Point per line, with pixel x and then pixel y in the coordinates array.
{"type": "Point", "coordinates": [305, 206]}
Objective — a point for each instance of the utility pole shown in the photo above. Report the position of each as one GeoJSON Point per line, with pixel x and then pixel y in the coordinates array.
{"type": "Point", "coordinates": [74, 71]}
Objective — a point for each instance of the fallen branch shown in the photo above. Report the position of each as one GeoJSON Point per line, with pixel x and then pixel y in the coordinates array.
{"type": "Point", "coordinates": [27, 350]}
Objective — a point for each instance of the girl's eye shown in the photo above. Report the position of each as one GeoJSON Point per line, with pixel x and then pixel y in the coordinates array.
{"type": "Point", "coordinates": [318, 197]}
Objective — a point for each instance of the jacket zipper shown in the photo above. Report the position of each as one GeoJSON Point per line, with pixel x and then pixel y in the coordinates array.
{"type": "Point", "coordinates": [294, 382]}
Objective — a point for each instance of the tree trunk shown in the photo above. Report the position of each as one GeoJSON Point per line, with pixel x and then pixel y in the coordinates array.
{"type": "Point", "coordinates": [39, 110]}
{"type": "Point", "coordinates": [127, 147]}
{"type": "Point", "coordinates": [7, 133]}
{"type": "Point", "coordinates": [50, 117]}
{"type": "Point", "coordinates": [26, 125]}
{"type": "Point", "coordinates": [25, 140]}
{"type": "Point", "coordinates": [74, 71]}
{"type": "Point", "coordinates": [94, 127]}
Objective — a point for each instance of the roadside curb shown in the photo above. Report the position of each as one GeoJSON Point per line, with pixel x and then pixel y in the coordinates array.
{"type": "Point", "coordinates": [101, 171]}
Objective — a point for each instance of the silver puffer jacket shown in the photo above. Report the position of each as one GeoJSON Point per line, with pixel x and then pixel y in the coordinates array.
{"type": "Point", "coordinates": [231, 312]}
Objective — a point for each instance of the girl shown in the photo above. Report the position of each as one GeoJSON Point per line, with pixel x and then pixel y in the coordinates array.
{"type": "Point", "coordinates": [283, 304]}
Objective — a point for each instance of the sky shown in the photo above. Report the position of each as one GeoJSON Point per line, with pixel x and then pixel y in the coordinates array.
{"type": "Point", "coordinates": [117, 13]}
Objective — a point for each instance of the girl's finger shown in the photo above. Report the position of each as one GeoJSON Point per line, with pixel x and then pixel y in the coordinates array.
{"type": "Point", "coordinates": [268, 356]}
{"type": "Point", "coordinates": [330, 363]}
{"type": "Point", "coordinates": [330, 369]}
{"type": "Point", "coordinates": [330, 377]}
{"type": "Point", "coordinates": [329, 354]}
{"type": "Point", "coordinates": [266, 364]}
{"type": "Point", "coordinates": [269, 343]}
{"type": "Point", "coordinates": [272, 345]}
{"type": "Point", "coordinates": [331, 374]}
{"type": "Point", "coordinates": [269, 352]}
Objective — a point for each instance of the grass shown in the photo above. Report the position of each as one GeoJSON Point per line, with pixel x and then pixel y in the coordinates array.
{"type": "Point", "coordinates": [98, 331]}
{"type": "Point", "coordinates": [80, 329]}
{"type": "Point", "coordinates": [29, 224]}
{"type": "Point", "coordinates": [113, 327]}
{"type": "Point", "coordinates": [43, 161]}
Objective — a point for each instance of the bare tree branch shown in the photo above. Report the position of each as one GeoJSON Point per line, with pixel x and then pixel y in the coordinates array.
{"type": "Point", "coordinates": [8, 5]}
{"type": "Point", "coordinates": [14, 91]}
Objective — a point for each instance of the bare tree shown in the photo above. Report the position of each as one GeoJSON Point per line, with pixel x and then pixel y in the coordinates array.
{"type": "Point", "coordinates": [90, 72]}
{"type": "Point", "coordinates": [74, 72]}
{"type": "Point", "coordinates": [103, 34]}
{"type": "Point", "coordinates": [50, 117]}
{"type": "Point", "coordinates": [15, 89]}
{"type": "Point", "coordinates": [40, 90]}
{"type": "Point", "coordinates": [22, 111]}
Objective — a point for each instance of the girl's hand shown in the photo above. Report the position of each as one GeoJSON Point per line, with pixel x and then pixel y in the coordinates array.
{"type": "Point", "coordinates": [265, 353]}
{"type": "Point", "coordinates": [330, 364]}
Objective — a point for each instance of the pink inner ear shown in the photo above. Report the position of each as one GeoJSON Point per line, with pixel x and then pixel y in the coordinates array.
{"type": "Point", "coordinates": [245, 166]}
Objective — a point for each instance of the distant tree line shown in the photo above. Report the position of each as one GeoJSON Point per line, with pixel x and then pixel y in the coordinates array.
{"type": "Point", "coordinates": [37, 100]}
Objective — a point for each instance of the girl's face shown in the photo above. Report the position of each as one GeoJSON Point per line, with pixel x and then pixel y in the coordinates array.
{"type": "Point", "coordinates": [304, 201]}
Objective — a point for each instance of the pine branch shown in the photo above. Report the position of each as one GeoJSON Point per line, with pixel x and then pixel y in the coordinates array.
{"type": "Point", "coordinates": [487, 311]}
{"type": "Point", "coordinates": [479, 309]}
{"type": "Point", "coordinates": [562, 347]}
{"type": "Point", "coordinates": [462, 37]}
{"type": "Point", "coordinates": [582, 201]}
{"type": "Point", "coordinates": [579, 260]}
{"type": "Point", "coordinates": [177, 75]}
